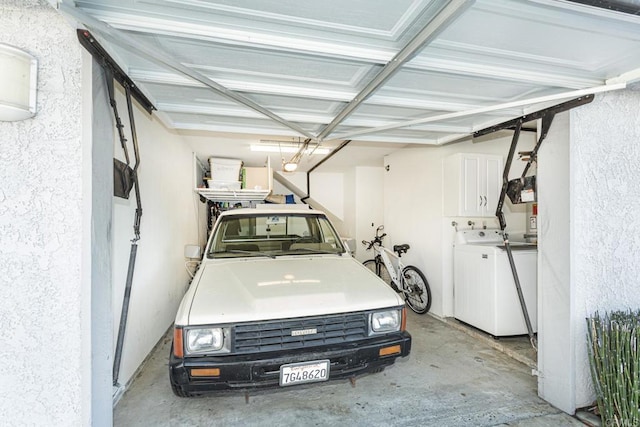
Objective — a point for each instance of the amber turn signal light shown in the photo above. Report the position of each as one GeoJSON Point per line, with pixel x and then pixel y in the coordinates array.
{"type": "Point", "coordinates": [208, 372]}
{"type": "Point", "coordinates": [387, 351]}
{"type": "Point", "coordinates": [177, 343]}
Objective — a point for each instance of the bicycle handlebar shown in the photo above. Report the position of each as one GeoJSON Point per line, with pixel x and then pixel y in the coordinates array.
{"type": "Point", "coordinates": [376, 241]}
{"type": "Point", "coordinates": [399, 249]}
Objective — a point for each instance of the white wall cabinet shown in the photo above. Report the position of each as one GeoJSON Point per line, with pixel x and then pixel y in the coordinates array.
{"type": "Point", "coordinates": [472, 184]}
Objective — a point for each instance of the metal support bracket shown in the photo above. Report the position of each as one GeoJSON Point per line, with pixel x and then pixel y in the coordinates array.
{"type": "Point", "coordinates": [110, 76]}
{"type": "Point", "coordinates": [108, 63]}
{"type": "Point", "coordinates": [547, 115]}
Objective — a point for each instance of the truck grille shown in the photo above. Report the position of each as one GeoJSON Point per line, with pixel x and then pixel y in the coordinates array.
{"type": "Point", "coordinates": [277, 335]}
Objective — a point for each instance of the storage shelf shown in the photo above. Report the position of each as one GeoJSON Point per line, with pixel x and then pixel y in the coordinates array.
{"type": "Point", "coordinates": [232, 195]}
{"type": "Point", "coordinates": [218, 195]}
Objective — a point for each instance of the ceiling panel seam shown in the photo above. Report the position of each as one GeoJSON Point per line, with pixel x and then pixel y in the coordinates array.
{"type": "Point", "coordinates": [424, 102]}
{"type": "Point", "coordinates": [252, 40]}
{"type": "Point", "coordinates": [314, 93]}
{"type": "Point", "coordinates": [446, 67]}
{"type": "Point", "coordinates": [264, 88]}
{"type": "Point", "coordinates": [500, 73]}
{"type": "Point", "coordinates": [300, 21]}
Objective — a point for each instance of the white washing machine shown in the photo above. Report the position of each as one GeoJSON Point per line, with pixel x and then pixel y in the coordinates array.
{"type": "Point", "coordinates": [485, 293]}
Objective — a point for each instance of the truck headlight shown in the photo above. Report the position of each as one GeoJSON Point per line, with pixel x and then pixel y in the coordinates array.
{"type": "Point", "coordinates": [203, 340]}
{"type": "Point", "coordinates": [386, 321]}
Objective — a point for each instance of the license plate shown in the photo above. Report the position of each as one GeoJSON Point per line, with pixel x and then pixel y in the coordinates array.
{"type": "Point", "coordinates": [304, 372]}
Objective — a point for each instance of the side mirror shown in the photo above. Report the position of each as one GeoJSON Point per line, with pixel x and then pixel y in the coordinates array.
{"type": "Point", "coordinates": [350, 243]}
{"type": "Point", "coordinates": [192, 251]}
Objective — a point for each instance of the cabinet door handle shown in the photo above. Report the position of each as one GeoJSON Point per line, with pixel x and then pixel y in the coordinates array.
{"type": "Point", "coordinates": [485, 200]}
{"type": "Point", "coordinates": [480, 200]}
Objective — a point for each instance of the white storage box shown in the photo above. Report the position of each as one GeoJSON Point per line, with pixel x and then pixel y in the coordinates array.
{"type": "Point", "coordinates": [225, 169]}
{"type": "Point", "coordinates": [256, 178]}
{"type": "Point", "coordinates": [215, 184]}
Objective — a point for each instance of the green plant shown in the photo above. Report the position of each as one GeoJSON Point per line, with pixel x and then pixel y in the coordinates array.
{"type": "Point", "coordinates": [615, 366]}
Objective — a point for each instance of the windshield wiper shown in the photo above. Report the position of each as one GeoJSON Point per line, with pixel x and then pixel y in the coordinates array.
{"type": "Point", "coordinates": [315, 251]}
{"type": "Point", "coordinates": [240, 251]}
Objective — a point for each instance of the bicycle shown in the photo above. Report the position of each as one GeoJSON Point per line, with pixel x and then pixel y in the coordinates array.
{"type": "Point", "coordinates": [387, 265]}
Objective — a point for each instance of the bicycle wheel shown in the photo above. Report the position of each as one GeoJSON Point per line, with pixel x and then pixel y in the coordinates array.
{"type": "Point", "coordinates": [378, 267]}
{"type": "Point", "coordinates": [418, 293]}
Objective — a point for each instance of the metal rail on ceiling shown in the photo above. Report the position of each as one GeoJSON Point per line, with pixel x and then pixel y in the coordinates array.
{"type": "Point", "coordinates": [480, 110]}
{"type": "Point", "coordinates": [448, 13]}
{"type": "Point", "coordinates": [106, 61]}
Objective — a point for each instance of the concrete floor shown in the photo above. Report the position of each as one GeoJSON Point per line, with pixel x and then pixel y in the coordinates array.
{"type": "Point", "coordinates": [518, 347]}
{"type": "Point", "coordinates": [451, 378]}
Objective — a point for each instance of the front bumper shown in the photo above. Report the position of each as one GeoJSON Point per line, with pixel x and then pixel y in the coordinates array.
{"type": "Point", "coordinates": [263, 369]}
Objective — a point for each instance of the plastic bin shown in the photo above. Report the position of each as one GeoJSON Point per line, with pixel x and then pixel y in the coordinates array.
{"type": "Point", "coordinates": [215, 184]}
{"type": "Point", "coordinates": [225, 169]}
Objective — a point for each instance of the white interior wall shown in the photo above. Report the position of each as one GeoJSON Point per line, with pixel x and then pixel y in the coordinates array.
{"type": "Point", "coordinates": [556, 343]}
{"type": "Point", "coordinates": [369, 206]}
{"type": "Point", "coordinates": [45, 299]}
{"type": "Point", "coordinates": [297, 181]}
{"type": "Point", "coordinates": [349, 202]}
{"type": "Point", "coordinates": [328, 189]}
{"type": "Point", "coordinates": [363, 206]}
{"type": "Point", "coordinates": [358, 198]}
{"type": "Point", "coordinates": [172, 217]}
{"type": "Point", "coordinates": [413, 188]}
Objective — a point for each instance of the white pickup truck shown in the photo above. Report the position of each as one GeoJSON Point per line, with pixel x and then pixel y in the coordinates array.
{"type": "Point", "coordinates": [277, 301]}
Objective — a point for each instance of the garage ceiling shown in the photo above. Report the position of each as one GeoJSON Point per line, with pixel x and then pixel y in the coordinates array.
{"type": "Point", "coordinates": [376, 71]}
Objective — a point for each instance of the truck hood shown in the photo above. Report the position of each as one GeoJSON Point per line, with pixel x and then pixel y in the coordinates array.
{"type": "Point", "coordinates": [242, 290]}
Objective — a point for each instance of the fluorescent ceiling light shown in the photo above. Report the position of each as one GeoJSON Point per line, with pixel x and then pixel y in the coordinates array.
{"type": "Point", "coordinates": [288, 148]}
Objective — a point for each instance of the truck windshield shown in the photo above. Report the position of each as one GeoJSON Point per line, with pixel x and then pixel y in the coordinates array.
{"type": "Point", "coordinates": [271, 234]}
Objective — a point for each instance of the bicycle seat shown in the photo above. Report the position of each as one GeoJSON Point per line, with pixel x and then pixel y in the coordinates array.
{"type": "Point", "coordinates": [401, 249]}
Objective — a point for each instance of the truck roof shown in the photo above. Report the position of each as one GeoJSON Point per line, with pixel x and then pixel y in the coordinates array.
{"type": "Point", "coordinates": [275, 210]}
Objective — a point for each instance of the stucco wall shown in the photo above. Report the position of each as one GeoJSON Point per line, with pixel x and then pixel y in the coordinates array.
{"type": "Point", "coordinates": [605, 234]}
{"type": "Point", "coordinates": [41, 191]}
{"type": "Point", "coordinates": [589, 235]}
